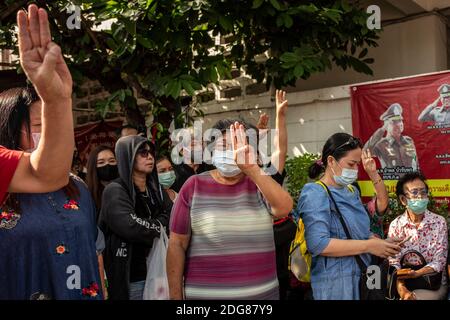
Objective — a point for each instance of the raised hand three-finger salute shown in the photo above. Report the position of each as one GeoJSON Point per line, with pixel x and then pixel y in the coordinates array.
{"type": "Point", "coordinates": [46, 168]}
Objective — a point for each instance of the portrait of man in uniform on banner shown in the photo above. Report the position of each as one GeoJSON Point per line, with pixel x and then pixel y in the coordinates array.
{"type": "Point", "coordinates": [439, 110]}
{"type": "Point", "coordinates": [405, 123]}
{"type": "Point", "coordinates": [388, 143]}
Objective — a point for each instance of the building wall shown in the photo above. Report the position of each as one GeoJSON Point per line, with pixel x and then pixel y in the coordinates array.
{"type": "Point", "coordinates": [408, 48]}
{"type": "Point", "coordinates": [320, 106]}
{"type": "Point", "coordinates": [84, 104]}
{"type": "Point", "coordinates": [311, 118]}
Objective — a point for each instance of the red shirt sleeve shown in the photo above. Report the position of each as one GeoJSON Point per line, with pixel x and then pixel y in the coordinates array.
{"type": "Point", "coordinates": [9, 160]}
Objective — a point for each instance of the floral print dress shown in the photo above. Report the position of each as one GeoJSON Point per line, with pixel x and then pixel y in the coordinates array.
{"type": "Point", "coordinates": [48, 250]}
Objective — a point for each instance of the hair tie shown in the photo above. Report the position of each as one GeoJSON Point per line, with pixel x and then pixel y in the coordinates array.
{"type": "Point", "coordinates": [319, 163]}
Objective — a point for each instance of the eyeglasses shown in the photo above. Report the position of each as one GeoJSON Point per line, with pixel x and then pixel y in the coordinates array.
{"type": "Point", "coordinates": [144, 152]}
{"type": "Point", "coordinates": [352, 142]}
{"type": "Point", "coordinates": [416, 193]}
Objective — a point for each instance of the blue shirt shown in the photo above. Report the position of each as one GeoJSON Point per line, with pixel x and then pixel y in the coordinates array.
{"type": "Point", "coordinates": [333, 278]}
{"type": "Point", "coordinates": [48, 251]}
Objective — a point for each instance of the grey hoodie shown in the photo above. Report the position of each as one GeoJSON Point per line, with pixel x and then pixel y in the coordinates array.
{"type": "Point", "coordinates": [126, 149]}
{"type": "Point", "coordinates": [122, 219]}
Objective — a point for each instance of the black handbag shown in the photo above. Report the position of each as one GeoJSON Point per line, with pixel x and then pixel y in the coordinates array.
{"type": "Point", "coordinates": [430, 281]}
{"type": "Point", "coordinates": [365, 293]}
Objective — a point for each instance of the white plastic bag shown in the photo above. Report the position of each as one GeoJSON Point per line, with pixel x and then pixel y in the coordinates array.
{"type": "Point", "coordinates": [156, 284]}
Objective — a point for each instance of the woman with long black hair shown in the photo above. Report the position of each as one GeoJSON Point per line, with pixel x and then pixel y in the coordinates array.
{"type": "Point", "coordinates": [335, 272]}
{"type": "Point", "coordinates": [101, 170]}
{"type": "Point", "coordinates": [47, 240]}
{"type": "Point", "coordinates": [45, 168]}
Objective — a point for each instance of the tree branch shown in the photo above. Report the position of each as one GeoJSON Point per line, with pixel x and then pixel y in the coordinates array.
{"type": "Point", "coordinates": [11, 9]}
{"type": "Point", "coordinates": [141, 91]}
{"type": "Point", "coordinates": [92, 35]}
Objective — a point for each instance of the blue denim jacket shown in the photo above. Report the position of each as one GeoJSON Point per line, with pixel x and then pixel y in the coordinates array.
{"type": "Point", "coordinates": [333, 278]}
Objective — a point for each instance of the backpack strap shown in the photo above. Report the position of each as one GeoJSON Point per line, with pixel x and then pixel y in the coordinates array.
{"type": "Point", "coordinates": [320, 183]}
{"type": "Point", "coordinates": [349, 187]}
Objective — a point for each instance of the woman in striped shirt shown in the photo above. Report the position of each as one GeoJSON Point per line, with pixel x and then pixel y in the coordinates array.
{"type": "Point", "coordinates": [221, 239]}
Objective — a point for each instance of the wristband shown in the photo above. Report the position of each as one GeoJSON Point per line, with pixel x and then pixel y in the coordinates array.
{"type": "Point", "coordinates": [378, 181]}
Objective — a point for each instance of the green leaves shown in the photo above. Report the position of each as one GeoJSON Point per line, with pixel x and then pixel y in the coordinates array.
{"type": "Point", "coordinates": [288, 21]}
{"type": "Point", "coordinates": [257, 4]}
{"type": "Point", "coordinates": [112, 3]}
{"type": "Point", "coordinates": [297, 173]}
{"type": "Point", "coordinates": [130, 26]}
{"type": "Point", "coordinates": [275, 4]}
{"type": "Point", "coordinates": [284, 19]}
{"type": "Point", "coordinates": [226, 23]}
{"type": "Point", "coordinates": [290, 59]}
{"type": "Point", "coordinates": [346, 6]}
{"type": "Point", "coordinates": [359, 66]}
{"type": "Point", "coordinates": [149, 3]}
{"type": "Point", "coordinates": [298, 70]}
{"type": "Point", "coordinates": [333, 15]}
{"type": "Point", "coordinates": [214, 76]}
{"type": "Point", "coordinates": [189, 84]}
{"type": "Point", "coordinates": [173, 88]}
{"type": "Point", "coordinates": [169, 38]}
{"type": "Point", "coordinates": [311, 8]}
{"type": "Point", "coordinates": [175, 85]}
{"type": "Point", "coordinates": [145, 42]}
{"type": "Point", "coordinates": [165, 50]}
{"type": "Point", "coordinates": [363, 53]}
{"type": "Point", "coordinates": [104, 106]}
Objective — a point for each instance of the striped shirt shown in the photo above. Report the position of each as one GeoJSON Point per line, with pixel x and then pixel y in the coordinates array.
{"type": "Point", "coordinates": [231, 254]}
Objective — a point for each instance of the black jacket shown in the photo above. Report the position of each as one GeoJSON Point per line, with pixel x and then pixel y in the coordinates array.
{"type": "Point", "coordinates": [184, 172]}
{"type": "Point", "coordinates": [123, 222]}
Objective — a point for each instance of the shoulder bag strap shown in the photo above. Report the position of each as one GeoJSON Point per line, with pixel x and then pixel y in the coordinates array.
{"type": "Point", "coordinates": [359, 260]}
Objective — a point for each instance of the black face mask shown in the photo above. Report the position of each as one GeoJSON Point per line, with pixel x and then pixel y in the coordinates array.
{"type": "Point", "coordinates": [108, 172]}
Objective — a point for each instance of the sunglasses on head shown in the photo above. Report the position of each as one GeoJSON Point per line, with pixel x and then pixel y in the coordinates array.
{"type": "Point", "coordinates": [352, 142]}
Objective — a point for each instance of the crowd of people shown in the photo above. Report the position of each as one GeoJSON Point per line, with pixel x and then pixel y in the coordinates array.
{"type": "Point", "coordinates": [230, 222]}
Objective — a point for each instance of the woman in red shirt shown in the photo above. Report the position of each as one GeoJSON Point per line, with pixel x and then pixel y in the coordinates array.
{"type": "Point", "coordinates": [8, 163]}
{"type": "Point", "coordinates": [46, 168]}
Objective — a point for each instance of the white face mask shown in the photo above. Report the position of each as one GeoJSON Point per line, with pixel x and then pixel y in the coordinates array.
{"type": "Point", "coordinates": [36, 138]}
{"type": "Point", "coordinates": [224, 162]}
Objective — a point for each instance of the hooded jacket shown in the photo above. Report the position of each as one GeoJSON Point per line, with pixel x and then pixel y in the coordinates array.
{"type": "Point", "coordinates": [122, 220]}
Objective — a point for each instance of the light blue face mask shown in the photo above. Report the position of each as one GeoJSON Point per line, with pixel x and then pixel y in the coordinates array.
{"type": "Point", "coordinates": [348, 176]}
{"type": "Point", "coordinates": [166, 179]}
{"type": "Point", "coordinates": [224, 162]}
{"type": "Point", "coordinates": [418, 206]}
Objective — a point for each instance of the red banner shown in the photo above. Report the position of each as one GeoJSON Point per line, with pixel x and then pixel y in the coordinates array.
{"type": "Point", "coordinates": [89, 136]}
{"type": "Point", "coordinates": [406, 125]}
